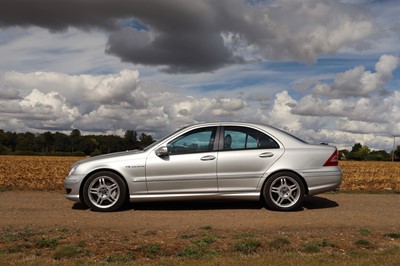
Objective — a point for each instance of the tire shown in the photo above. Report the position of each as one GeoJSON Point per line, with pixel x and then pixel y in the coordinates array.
{"type": "Point", "coordinates": [104, 192]}
{"type": "Point", "coordinates": [284, 191]}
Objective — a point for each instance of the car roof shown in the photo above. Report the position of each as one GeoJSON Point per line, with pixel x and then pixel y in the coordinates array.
{"type": "Point", "coordinates": [282, 136]}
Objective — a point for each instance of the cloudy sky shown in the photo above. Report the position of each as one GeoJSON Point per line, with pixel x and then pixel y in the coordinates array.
{"type": "Point", "coordinates": [325, 70]}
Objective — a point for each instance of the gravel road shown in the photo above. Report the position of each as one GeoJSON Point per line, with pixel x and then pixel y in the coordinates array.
{"type": "Point", "coordinates": [49, 209]}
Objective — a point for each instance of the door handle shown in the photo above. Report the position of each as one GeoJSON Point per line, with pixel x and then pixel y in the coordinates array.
{"type": "Point", "coordinates": [207, 158]}
{"type": "Point", "coordinates": [266, 154]}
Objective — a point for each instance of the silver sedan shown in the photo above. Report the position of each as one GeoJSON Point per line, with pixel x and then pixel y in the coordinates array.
{"type": "Point", "coordinates": [242, 161]}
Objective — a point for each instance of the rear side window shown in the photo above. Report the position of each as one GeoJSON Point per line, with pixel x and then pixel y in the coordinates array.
{"type": "Point", "coordinates": [241, 138]}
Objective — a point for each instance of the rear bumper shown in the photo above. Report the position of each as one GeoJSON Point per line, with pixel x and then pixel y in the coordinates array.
{"type": "Point", "coordinates": [322, 180]}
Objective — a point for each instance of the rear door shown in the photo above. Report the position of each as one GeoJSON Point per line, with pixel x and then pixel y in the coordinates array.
{"type": "Point", "coordinates": [246, 154]}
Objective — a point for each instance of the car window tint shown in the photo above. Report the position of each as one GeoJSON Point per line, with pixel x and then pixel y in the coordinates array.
{"type": "Point", "coordinates": [238, 138]}
{"type": "Point", "coordinates": [198, 140]}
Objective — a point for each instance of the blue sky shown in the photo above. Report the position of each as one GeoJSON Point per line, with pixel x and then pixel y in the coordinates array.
{"type": "Point", "coordinates": [324, 70]}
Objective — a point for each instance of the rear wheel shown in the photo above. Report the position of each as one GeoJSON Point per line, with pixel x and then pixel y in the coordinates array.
{"type": "Point", "coordinates": [104, 191]}
{"type": "Point", "coordinates": [284, 192]}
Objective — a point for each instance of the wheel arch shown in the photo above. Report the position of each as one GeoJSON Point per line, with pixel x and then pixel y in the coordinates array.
{"type": "Point", "coordinates": [285, 170]}
{"type": "Point", "coordinates": [101, 170]}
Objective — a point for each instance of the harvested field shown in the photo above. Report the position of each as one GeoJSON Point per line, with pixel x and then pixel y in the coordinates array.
{"type": "Point", "coordinates": [48, 173]}
{"type": "Point", "coordinates": [370, 176]}
{"type": "Point", "coordinates": [34, 172]}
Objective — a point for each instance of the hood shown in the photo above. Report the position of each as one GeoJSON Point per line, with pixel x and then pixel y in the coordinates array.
{"type": "Point", "coordinates": [110, 156]}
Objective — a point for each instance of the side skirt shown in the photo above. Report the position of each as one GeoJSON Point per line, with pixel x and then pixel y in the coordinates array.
{"type": "Point", "coordinates": [251, 196]}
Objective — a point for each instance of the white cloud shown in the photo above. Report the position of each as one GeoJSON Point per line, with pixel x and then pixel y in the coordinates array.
{"type": "Point", "coordinates": [121, 101]}
{"type": "Point", "coordinates": [359, 82]}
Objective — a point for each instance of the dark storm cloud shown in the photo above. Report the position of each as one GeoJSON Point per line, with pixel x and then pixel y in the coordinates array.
{"type": "Point", "coordinates": [186, 36]}
{"type": "Point", "coordinates": [181, 52]}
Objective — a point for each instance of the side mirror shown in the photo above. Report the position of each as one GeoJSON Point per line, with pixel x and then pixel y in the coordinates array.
{"type": "Point", "coordinates": [162, 151]}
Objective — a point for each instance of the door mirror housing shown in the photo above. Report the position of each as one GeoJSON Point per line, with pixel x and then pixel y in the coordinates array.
{"type": "Point", "coordinates": [162, 151]}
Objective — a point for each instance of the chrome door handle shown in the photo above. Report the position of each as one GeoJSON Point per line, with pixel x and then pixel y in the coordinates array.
{"type": "Point", "coordinates": [207, 158]}
{"type": "Point", "coordinates": [266, 154]}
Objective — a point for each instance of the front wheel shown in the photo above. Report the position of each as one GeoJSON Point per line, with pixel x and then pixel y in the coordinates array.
{"type": "Point", "coordinates": [104, 191]}
{"type": "Point", "coordinates": [284, 192]}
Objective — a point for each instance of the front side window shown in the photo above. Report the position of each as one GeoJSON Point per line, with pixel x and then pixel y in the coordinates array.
{"type": "Point", "coordinates": [239, 138]}
{"type": "Point", "coordinates": [198, 140]}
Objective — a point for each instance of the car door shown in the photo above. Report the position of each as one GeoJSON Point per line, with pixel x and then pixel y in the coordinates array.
{"type": "Point", "coordinates": [246, 154]}
{"type": "Point", "coordinates": [189, 167]}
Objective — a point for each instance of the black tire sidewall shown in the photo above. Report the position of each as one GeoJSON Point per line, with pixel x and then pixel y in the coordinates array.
{"type": "Point", "coordinates": [270, 203]}
{"type": "Point", "coordinates": [122, 190]}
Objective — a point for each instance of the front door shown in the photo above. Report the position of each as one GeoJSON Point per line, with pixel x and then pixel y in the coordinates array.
{"type": "Point", "coordinates": [190, 166]}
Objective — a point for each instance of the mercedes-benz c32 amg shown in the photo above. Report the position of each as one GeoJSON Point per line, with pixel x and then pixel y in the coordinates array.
{"type": "Point", "coordinates": [226, 160]}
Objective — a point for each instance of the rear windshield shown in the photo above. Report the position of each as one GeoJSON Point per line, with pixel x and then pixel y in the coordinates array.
{"type": "Point", "coordinates": [284, 132]}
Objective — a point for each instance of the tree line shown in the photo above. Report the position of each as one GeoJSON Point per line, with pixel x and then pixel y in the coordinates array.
{"type": "Point", "coordinates": [74, 144]}
{"type": "Point", "coordinates": [363, 153]}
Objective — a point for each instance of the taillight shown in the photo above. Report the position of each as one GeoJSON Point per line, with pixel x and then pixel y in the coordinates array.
{"type": "Point", "coordinates": [333, 160]}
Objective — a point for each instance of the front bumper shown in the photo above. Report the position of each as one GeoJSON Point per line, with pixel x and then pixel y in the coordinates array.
{"type": "Point", "coordinates": [72, 186]}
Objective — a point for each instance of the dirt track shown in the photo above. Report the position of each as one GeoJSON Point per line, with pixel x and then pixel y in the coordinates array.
{"type": "Point", "coordinates": [338, 223]}
{"type": "Point", "coordinates": [49, 209]}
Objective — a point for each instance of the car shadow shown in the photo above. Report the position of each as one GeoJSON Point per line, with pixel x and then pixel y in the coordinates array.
{"type": "Point", "coordinates": [79, 206]}
{"type": "Point", "coordinates": [310, 203]}
{"type": "Point", "coordinates": [317, 202]}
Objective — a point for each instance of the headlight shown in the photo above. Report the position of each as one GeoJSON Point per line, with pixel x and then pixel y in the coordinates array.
{"type": "Point", "coordinates": [73, 169]}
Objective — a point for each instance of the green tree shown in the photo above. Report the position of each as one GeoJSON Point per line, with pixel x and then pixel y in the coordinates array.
{"type": "Point", "coordinates": [44, 142]}
{"type": "Point", "coordinates": [145, 140]}
{"type": "Point", "coordinates": [131, 139]}
{"type": "Point", "coordinates": [62, 142]}
{"type": "Point", "coordinates": [380, 155]}
{"type": "Point", "coordinates": [88, 145]}
{"type": "Point", "coordinates": [75, 138]}
{"type": "Point", "coordinates": [359, 152]}
{"type": "Point", "coordinates": [397, 152]}
{"type": "Point", "coordinates": [25, 142]}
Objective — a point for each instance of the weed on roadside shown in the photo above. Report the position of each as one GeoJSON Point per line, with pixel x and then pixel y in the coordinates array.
{"type": "Point", "coordinates": [244, 235]}
{"type": "Point", "coordinates": [247, 247]}
{"type": "Point", "coordinates": [363, 243]}
{"type": "Point", "coordinates": [393, 235]}
{"type": "Point", "coordinates": [187, 236]}
{"type": "Point", "coordinates": [46, 242]}
{"type": "Point", "coordinates": [189, 252]}
{"type": "Point", "coordinates": [120, 258]}
{"type": "Point", "coordinates": [310, 247]}
{"type": "Point", "coordinates": [67, 251]}
{"type": "Point", "coordinates": [278, 243]}
{"type": "Point", "coordinates": [364, 232]}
